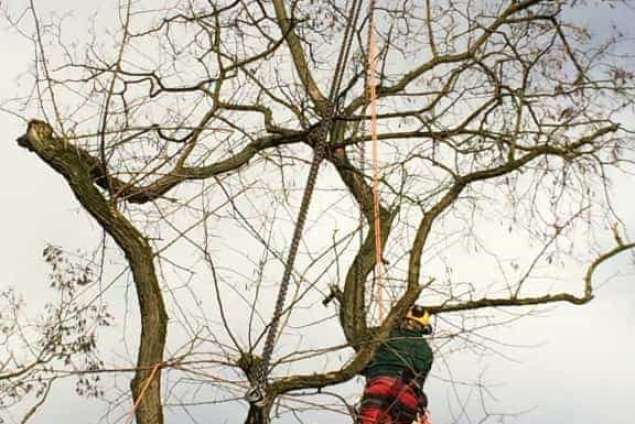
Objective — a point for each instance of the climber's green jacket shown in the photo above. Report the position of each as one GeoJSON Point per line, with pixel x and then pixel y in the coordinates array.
{"type": "Point", "coordinates": [403, 351]}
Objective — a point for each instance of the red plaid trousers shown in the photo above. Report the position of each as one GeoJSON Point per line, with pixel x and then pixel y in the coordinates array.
{"type": "Point", "coordinates": [388, 400]}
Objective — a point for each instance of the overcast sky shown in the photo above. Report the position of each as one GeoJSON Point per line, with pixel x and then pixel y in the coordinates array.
{"type": "Point", "coordinates": [581, 368]}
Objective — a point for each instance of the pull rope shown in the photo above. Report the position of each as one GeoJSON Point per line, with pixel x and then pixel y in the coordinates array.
{"type": "Point", "coordinates": [255, 395]}
{"type": "Point", "coordinates": [142, 393]}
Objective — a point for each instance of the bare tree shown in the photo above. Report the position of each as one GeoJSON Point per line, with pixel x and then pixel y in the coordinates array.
{"type": "Point", "coordinates": [185, 132]}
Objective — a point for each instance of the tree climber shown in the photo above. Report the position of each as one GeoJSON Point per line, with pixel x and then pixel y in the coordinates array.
{"type": "Point", "coordinates": [395, 376]}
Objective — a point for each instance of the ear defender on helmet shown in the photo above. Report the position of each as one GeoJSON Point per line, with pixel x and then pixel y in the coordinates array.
{"type": "Point", "coordinates": [419, 315]}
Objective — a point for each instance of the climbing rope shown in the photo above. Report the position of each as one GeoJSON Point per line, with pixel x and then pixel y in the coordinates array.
{"type": "Point", "coordinates": [371, 89]}
{"type": "Point", "coordinates": [255, 395]}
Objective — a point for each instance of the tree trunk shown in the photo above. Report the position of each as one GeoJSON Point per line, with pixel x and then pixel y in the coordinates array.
{"type": "Point", "coordinates": [259, 415]}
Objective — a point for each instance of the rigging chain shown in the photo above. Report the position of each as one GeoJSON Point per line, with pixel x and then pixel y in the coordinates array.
{"type": "Point", "coordinates": [256, 395]}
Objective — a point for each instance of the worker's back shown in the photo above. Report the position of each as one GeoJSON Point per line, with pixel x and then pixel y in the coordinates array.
{"type": "Point", "coordinates": [404, 352]}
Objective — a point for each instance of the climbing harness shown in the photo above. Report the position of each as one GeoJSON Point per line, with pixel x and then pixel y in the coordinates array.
{"type": "Point", "coordinates": [255, 395]}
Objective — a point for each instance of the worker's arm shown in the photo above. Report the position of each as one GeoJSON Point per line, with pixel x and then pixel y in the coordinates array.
{"type": "Point", "coordinates": [423, 357]}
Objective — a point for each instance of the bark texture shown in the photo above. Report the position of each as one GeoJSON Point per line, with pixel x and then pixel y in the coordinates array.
{"type": "Point", "coordinates": [79, 174]}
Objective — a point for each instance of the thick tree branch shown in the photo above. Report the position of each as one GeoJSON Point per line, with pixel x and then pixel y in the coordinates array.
{"type": "Point", "coordinates": [69, 162]}
{"type": "Point", "coordinates": [537, 300]}
{"type": "Point", "coordinates": [437, 60]}
{"type": "Point", "coordinates": [298, 56]}
{"type": "Point", "coordinates": [142, 194]}
{"type": "Point", "coordinates": [569, 152]}
{"type": "Point", "coordinates": [361, 358]}
{"type": "Point", "coordinates": [353, 307]}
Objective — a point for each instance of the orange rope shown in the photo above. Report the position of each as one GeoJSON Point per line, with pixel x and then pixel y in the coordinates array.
{"type": "Point", "coordinates": [372, 96]}
{"type": "Point", "coordinates": [425, 418]}
{"type": "Point", "coordinates": [146, 384]}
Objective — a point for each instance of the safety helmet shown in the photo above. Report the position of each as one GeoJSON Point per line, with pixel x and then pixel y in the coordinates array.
{"type": "Point", "coordinates": [418, 314]}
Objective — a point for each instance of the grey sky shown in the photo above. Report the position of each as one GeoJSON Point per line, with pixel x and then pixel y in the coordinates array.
{"type": "Point", "coordinates": [580, 370]}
